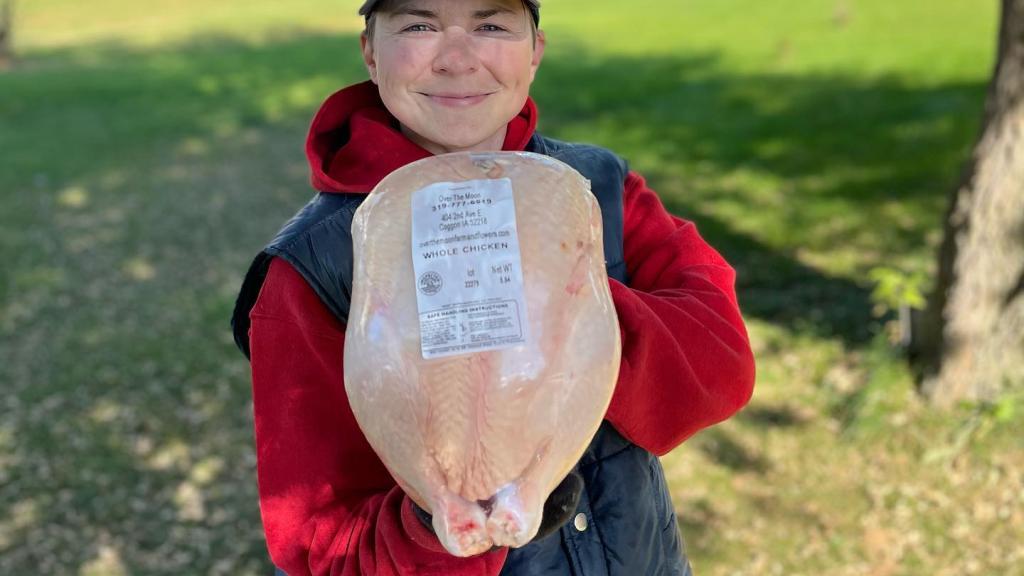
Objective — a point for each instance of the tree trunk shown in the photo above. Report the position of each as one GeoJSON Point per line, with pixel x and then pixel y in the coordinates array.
{"type": "Point", "coordinates": [970, 339]}
{"type": "Point", "coordinates": [6, 32]}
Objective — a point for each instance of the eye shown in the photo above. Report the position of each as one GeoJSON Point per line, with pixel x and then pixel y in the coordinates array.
{"type": "Point", "coordinates": [417, 28]}
{"type": "Point", "coordinates": [491, 28]}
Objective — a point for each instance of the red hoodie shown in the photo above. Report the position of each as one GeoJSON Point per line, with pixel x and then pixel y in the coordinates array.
{"type": "Point", "coordinates": [329, 506]}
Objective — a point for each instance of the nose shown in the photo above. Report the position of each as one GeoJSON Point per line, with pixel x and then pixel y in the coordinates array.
{"type": "Point", "coordinates": [456, 54]}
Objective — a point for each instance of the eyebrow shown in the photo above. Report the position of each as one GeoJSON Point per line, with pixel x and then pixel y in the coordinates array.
{"type": "Point", "coordinates": [416, 12]}
{"type": "Point", "coordinates": [484, 14]}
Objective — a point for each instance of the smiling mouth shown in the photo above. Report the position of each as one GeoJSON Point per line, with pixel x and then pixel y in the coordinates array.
{"type": "Point", "coordinates": [457, 100]}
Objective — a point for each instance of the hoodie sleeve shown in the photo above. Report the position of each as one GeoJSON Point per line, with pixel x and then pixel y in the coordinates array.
{"type": "Point", "coordinates": [686, 357]}
{"type": "Point", "coordinates": [328, 504]}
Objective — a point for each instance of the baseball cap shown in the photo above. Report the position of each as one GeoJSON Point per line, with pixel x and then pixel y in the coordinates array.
{"type": "Point", "coordinates": [532, 5]}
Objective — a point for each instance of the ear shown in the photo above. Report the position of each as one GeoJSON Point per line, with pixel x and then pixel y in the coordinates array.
{"type": "Point", "coordinates": [538, 54]}
{"type": "Point", "coordinates": [368, 58]}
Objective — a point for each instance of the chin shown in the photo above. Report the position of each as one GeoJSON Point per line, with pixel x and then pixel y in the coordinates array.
{"type": "Point", "coordinates": [461, 139]}
{"type": "Point", "coordinates": [464, 142]}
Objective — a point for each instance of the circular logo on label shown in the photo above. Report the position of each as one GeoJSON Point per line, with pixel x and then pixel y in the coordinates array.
{"type": "Point", "coordinates": [430, 283]}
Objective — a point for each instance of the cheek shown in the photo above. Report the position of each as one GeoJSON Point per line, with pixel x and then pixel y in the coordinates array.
{"type": "Point", "coordinates": [511, 68]}
{"type": "Point", "coordinates": [400, 63]}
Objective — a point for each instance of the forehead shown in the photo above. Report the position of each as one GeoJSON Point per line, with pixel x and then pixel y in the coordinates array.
{"type": "Point", "coordinates": [439, 6]}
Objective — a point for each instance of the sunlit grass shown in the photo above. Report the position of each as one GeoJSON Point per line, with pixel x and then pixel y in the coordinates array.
{"type": "Point", "coordinates": [48, 24]}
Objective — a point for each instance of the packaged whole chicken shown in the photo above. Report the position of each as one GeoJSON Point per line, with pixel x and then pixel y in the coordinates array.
{"type": "Point", "coordinates": [482, 346]}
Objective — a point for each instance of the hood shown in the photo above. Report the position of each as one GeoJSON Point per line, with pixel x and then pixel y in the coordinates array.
{"type": "Point", "coordinates": [354, 142]}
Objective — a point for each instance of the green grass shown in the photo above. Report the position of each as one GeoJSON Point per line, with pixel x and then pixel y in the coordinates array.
{"type": "Point", "coordinates": [147, 152]}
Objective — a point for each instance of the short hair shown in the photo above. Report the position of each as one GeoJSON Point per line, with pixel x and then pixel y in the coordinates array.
{"type": "Point", "coordinates": [371, 18]}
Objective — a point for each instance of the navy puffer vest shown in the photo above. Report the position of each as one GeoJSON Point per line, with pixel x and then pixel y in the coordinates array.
{"type": "Point", "coordinates": [625, 524]}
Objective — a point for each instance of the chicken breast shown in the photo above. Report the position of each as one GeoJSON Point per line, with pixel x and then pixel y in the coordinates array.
{"type": "Point", "coordinates": [482, 347]}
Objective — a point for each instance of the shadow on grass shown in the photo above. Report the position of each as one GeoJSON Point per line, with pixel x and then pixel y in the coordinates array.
{"type": "Point", "coordinates": [776, 287]}
{"type": "Point", "coordinates": [771, 166]}
{"type": "Point", "coordinates": [699, 523]}
{"type": "Point", "coordinates": [139, 183]}
{"type": "Point", "coordinates": [721, 447]}
{"type": "Point", "coordinates": [773, 416]}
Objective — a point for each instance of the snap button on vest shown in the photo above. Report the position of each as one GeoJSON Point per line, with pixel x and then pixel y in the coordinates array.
{"type": "Point", "coordinates": [580, 522]}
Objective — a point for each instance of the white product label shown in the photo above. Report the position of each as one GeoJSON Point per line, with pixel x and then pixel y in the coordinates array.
{"type": "Point", "coordinates": [469, 277]}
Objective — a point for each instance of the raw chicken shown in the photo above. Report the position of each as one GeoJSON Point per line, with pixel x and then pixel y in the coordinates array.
{"type": "Point", "coordinates": [480, 439]}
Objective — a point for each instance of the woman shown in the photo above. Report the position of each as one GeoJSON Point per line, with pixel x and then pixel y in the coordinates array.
{"type": "Point", "coordinates": [447, 76]}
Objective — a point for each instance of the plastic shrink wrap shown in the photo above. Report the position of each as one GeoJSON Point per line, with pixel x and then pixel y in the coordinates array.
{"type": "Point", "coordinates": [482, 347]}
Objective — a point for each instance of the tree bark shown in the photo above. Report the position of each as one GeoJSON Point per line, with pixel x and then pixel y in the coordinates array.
{"type": "Point", "coordinates": [969, 343]}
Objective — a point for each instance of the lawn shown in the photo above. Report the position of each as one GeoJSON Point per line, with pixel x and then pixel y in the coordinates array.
{"type": "Point", "coordinates": [148, 150]}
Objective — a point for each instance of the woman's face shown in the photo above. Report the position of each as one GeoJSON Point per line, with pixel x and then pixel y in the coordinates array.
{"type": "Point", "coordinates": [454, 72]}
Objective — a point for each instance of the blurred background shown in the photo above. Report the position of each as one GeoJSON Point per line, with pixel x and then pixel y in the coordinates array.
{"type": "Point", "coordinates": [148, 150]}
